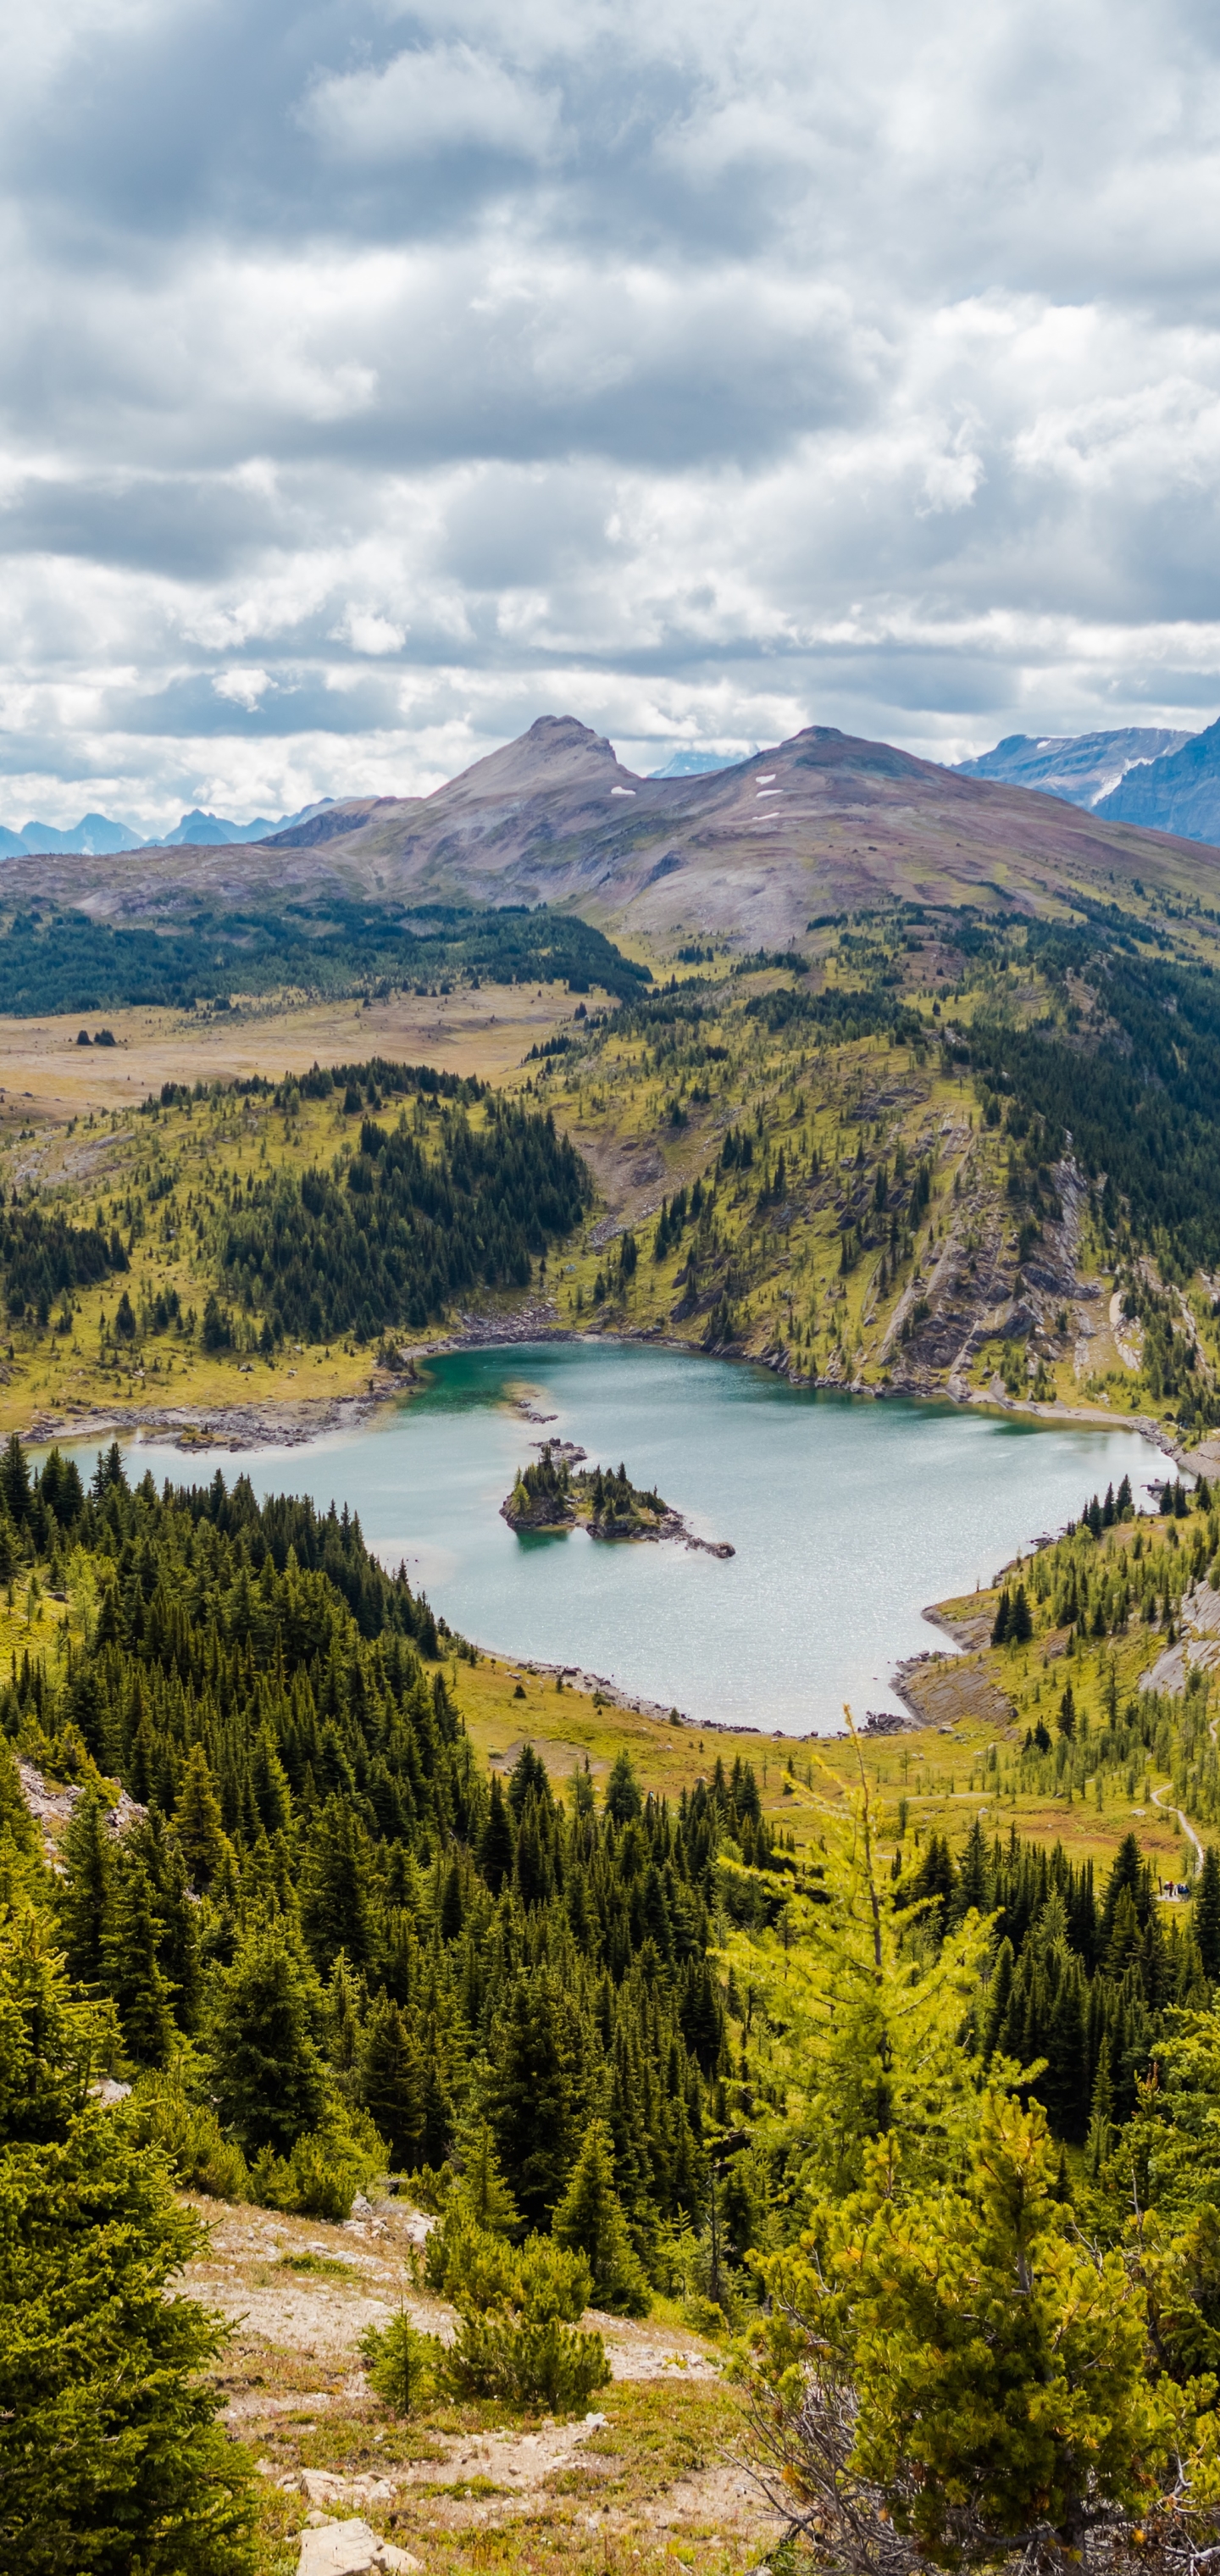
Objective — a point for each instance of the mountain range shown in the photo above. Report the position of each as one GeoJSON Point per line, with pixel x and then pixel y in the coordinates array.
{"type": "Point", "coordinates": [101, 835]}
{"type": "Point", "coordinates": [1082, 768]}
{"type": "Point", "coordinates": [1167, 782]}
{"type": "Point", "coordinates": [823, 823]}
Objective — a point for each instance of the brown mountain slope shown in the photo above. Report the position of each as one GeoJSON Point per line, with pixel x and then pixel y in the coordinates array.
{"type": "Point", "coordinates": [822, 823]}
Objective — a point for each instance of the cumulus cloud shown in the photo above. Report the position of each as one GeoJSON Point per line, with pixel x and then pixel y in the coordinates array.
{"type": "Point", "coordinates": [377, 377]}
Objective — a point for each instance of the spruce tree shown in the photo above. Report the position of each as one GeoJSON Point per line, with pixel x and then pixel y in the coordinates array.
{"type": "Point", "coordinates": [483, 2190]}
{"type": "Point", "coordinates": [83, 1901]}
{"type": "Point", "coordinates": [110, 2454]}
{"type": "Point", "coordinates": [391, 2080]}
{"type": "Point", "coordinates": [198, 1822]}
{"type": "Point", "coordinates": [589, 2220]}
{"type": "Point", "coordinates": [269, 2076]}
{"type": "Point", "coordinates": [1206, 1914]}
{"type": "Point", "coordinates": [623, 1799]}
{"type": "Point", "coordinates": [131, 1965]}
{"type": "Point", "coordinates": [15, 1481]}
{"type": "Point", "coordinates": [533, 2089]}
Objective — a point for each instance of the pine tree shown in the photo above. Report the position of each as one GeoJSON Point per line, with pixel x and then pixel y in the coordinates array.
{"type": "Point", "coordinates": [589, 2220]}
{"type": "Point", "coordinates": [999, 1625]}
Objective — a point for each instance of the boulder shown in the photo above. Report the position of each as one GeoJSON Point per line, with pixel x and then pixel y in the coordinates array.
{"type": "Point", "coordinates": [352, 2549]}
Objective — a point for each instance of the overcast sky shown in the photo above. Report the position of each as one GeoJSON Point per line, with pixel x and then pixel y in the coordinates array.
{"type": "Point", "coordinates": [375, 380]}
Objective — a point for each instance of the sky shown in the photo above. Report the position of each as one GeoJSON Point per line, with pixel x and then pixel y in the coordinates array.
{"type": "Point", "coordinates": [376, 379]}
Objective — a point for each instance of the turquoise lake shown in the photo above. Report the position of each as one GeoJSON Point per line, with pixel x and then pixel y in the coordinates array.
{"type": "Point", "coordinates": [847, 1516]}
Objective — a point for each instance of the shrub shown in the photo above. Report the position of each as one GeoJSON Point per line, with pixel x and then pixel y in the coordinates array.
{"type": "Point", "coordinates": [554, 2281]}
{"type": "Point", "coordinates": [527, 2364]}
{"type": "Point", "coordinates": [480, 2271]}
{"type": "Point", "coordinates": [403, 2365]}
{"type": "Point", "coordinates": [324, 2168]}
{"type": "Point", "coordinates": [163, 2115]}
{"type": "Point", "coordinates": [469, 2265]}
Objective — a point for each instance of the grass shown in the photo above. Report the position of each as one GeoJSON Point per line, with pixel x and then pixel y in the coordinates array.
{"type": "Point", "coordinates": [325, 2267]}
{"type": "Point", "coordinates": [657, 2484]}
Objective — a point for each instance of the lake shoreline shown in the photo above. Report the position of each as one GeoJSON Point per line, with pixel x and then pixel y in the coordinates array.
{"type": "Point", "coordinates": [838, 1554]}
{"type": "Point", "coordinates": [273, 1422]}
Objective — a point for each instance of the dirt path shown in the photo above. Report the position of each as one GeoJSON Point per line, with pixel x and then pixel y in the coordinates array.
{"type": "Point", "coordinates": [1160, 1800]}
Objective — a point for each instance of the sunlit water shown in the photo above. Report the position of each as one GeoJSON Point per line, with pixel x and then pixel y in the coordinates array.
{"type": "Point", "coordinates": [847, 1517]}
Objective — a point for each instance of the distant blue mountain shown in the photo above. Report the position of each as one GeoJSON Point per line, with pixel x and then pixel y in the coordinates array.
{"type": "Point", "coordinates": [95, 834]}
{"type": "Point", "coordinates": [1082, 768]}
{"type": "Point", "coordinates": [1178, 793]}
{"type": "Point", "coordinates": [698, 764]}
{"type": "Point", "coordinates": [98, 835]}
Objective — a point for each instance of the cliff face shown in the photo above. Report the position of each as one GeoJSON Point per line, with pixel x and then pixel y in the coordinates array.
{"type": "Point", "coordinates": [1178, 793]}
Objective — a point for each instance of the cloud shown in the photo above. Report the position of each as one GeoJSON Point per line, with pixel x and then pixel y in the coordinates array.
{"type": "Point", "coordinates": [429, 101]}
{"type": "Point", "coordinates": [377, 377]}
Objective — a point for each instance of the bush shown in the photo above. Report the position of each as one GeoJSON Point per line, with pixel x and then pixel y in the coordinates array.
{"type": "Point", "coordinates": [479, 2271]}
{"type": "Point", "coordinates": [554, 2282]}
{"type": "Point", "coordinates": [163, 2115]}
{"type": "Point", "coordinates": [403, 2365]}
{"type": "Point", "coordinates": [467, 2264]}
{"type": "Point", "coordinates": [323, 2170]}
{"type": "Point", "coordinates": [528, 2365]}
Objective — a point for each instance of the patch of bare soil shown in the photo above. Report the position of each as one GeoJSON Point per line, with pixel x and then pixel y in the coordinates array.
{"type": "Point", "coordinates": [309, 2287]}
{"type": "Point", "coordinates": [653, 2456]}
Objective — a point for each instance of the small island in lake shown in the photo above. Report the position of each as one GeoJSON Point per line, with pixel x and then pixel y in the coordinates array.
{"type": "Point", "coordinates": [603, 1500]}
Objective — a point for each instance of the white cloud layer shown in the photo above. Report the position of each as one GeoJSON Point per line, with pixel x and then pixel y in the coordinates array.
{"type": "Point", "coordinates": [377, 377]}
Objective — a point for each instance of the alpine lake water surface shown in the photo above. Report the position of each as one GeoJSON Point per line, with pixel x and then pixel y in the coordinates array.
{"type": "Point", "coordinates": [847, 1516]}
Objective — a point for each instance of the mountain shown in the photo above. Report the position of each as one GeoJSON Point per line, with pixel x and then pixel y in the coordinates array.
{"type": "Point", "coordinates": [822, 824]}
{"type": "Point", "coordinates": [1082, 768]}
{"type": "Point", "coordinates": [94, 836]}
{"type": "Point", "coordinates": [97, 835]}
{"type": "Point", "coordinates": [694, 764]}
{"type": "Point", "coordinates": [214, 830]}
{"type": "Point", "coordinates": [1179, 793]}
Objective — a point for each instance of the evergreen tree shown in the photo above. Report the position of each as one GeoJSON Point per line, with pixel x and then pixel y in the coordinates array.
{"type": "Point", "coordinates": [15, 1481]}
{"type": "Point", "coordinates": [270, 2078]}
{"type": "Point", "coordinates": [391, 2080]}
{"type": "Point", "coordinates": [483, 2190]}
{"type": "Point", "coordinates": [198, 1822]}
{"type": "Point", "coordinates": [589, 2220]}
{"type": "Point", "coordinates": [84, 1899]}
{"type": "Point", "coordinates": [131, 1965]}
{"type": "Point", "coordinates": [110, 2454]}
{"type": "Point", "coordinates": [624, 1801]}
{"type": "Point", "coordinates": [496, 1845]}
{"type": "Point", "coordinates": [1206, 1915]}
{"type": "Point", "coordinates": [533, 2092]}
